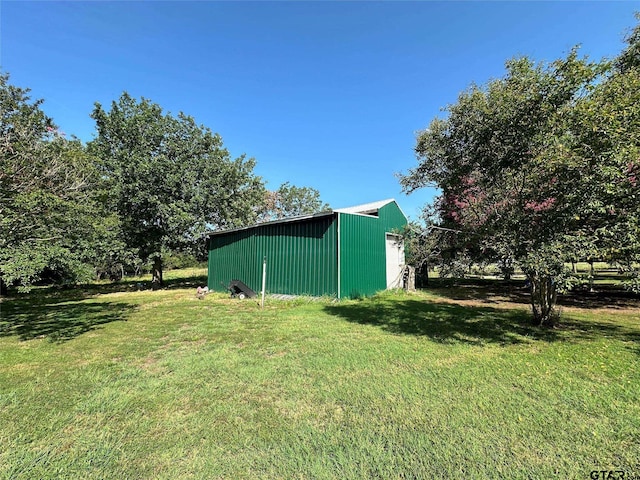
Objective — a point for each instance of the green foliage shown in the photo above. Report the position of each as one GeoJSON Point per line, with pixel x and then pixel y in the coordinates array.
{"type": "Point", "coordinates": [540, 167]}
{"type": "Point", "coordinates": [169, 179]}
{"type": "Point", "coordinates": [630, 56]}
{"type": "Point", "coordinates": [633, 284]}
{"type": "Point", "coordinates": [455, 267]}
{"type": "Point", "coordinates": [47, 207]}
{"type": "Point", "coordinates": [605, 152]}
{"type": "Point", "coordinates": [506, 267]}
{"type": "Point", "coordinates": [291, 201]}
{"type": "Point", "coordinates": [109, 254]}
{"type": "Point", "coordinates": [498, 159]}
{"type": "Point", "coordinates": [180, 260]}
{"type": "Point", "coordinates": [428, 245]}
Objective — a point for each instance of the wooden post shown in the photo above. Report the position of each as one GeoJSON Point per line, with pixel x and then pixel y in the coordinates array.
{"type": "Point", "coordinates": [409, 279]}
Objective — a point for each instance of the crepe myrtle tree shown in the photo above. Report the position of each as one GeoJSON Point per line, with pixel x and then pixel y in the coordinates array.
{"type": "Point", "coordinates": [607, 148]}
{"type": "Point", "coordinates": [502, 159]}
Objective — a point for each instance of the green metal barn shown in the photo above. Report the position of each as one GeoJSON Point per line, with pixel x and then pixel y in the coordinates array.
{"type": "Point", "coordinates": [350, 252]}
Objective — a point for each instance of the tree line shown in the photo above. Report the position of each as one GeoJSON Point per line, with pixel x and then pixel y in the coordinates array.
{"type": "Point", "coordinates": [150, 184]}
{"type": "Point", "coordinates": [537, 169]}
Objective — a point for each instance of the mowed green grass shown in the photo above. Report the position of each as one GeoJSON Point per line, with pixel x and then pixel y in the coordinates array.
{"type": "Point", "coordinates": [141, 384]}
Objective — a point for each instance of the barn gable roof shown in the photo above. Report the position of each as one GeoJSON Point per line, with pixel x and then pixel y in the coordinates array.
{"type": "Point", "coordinates": [364, 209]}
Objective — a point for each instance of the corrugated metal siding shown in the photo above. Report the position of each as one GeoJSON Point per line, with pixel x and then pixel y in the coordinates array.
{"type": "Point", "coordinates": [362, 256]}
{"type": "Point", "coordinates": [391, 218]}
{"type": "Point", "coordinates": [301, 257]}
{"type": "Point", "coordinates": [363, 250]}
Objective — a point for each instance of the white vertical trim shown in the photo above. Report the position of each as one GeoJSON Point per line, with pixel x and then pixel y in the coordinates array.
{"type": "Point", "coordinates": [264, 279]}
{"type": "Point", "coordinates": [338, 213]}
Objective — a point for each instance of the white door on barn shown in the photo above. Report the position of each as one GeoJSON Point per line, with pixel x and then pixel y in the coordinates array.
{"type": "Point", "coordinates": [395, 260]}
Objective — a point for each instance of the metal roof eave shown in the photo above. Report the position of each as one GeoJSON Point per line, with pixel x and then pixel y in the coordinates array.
{"type": "Point", "coordinates": [366, 208]}
{"type": "Point", "coordinates": [272, 222]}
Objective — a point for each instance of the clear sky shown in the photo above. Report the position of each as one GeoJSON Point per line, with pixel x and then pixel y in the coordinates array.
{"type": "Point", "coordinates": [323, 94]}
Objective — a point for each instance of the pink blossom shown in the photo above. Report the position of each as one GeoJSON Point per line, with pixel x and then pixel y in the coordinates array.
{"type": "Point", "coordinates": [468, 181]}
{"type": "Point", "coordinates": [459, 203]}
{"type": "Point", "coordinates": [540, 206]}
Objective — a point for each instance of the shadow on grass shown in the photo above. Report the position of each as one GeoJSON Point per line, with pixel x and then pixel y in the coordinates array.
{"type": "Point", "coordinates": [84, 290]}
{"type": "Point", "coordinates": [450, 323]}
{"type": "Point", "coordinates": [62, 313]}
{"type": "Point", "coordinates": [496, 291]}
{"type": "Point", "coordinates": [57, 318]}
{"type": "Point", "coordinates": [135, 284]}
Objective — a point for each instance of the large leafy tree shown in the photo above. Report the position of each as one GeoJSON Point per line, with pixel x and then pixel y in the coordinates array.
{"type": "Point", "coordinates": [606, 145]}
{"type": "Point", "coordinates": [46, 206]}
{"type": "Point", "coordinates": [170, 179]}
{"type": "Point", "coordinates": [542, 167]}
{"type": "Point", "coordinates": [510, 183]}
{"type": "Point", "coordinates": [291, 201]}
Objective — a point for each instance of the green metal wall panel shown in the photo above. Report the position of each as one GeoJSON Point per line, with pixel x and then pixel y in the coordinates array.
{"type": "Point", "coordinates": [363, 250]}
{"type": "Point", "coordinates": [301, 257]}
{"type": "Point", "coordinates": [362, 256]}
{"type": "Point", "coordinates": [391, 218]}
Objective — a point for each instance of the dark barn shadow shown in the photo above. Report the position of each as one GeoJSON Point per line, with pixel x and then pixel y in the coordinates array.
{"type": "Point", "coordinates": [57, 317]}
{"type": "Point", "coordinates": [451, 323]}
{"type": "Point", "coordinates": [441, 322]}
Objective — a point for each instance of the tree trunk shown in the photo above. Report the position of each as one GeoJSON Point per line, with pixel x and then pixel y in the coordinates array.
{"type": "Point", "coordinates": [543, 300]}
{"type": "Point", "coordinates": [506, 268]}
{"type": "Point", "coordinates": [4, 291]}
{"type": "Point", "coordinates": [156, 280]}
{"type": "Point", "coordinates": [591, 275]}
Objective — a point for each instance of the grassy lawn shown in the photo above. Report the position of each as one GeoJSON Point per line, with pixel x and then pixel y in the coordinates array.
{"type": "Point", "coordinates": [109, 381]}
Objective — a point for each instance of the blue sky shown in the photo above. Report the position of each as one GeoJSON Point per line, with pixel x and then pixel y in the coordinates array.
{"type": "Point", "coordinates": [323, 94]}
